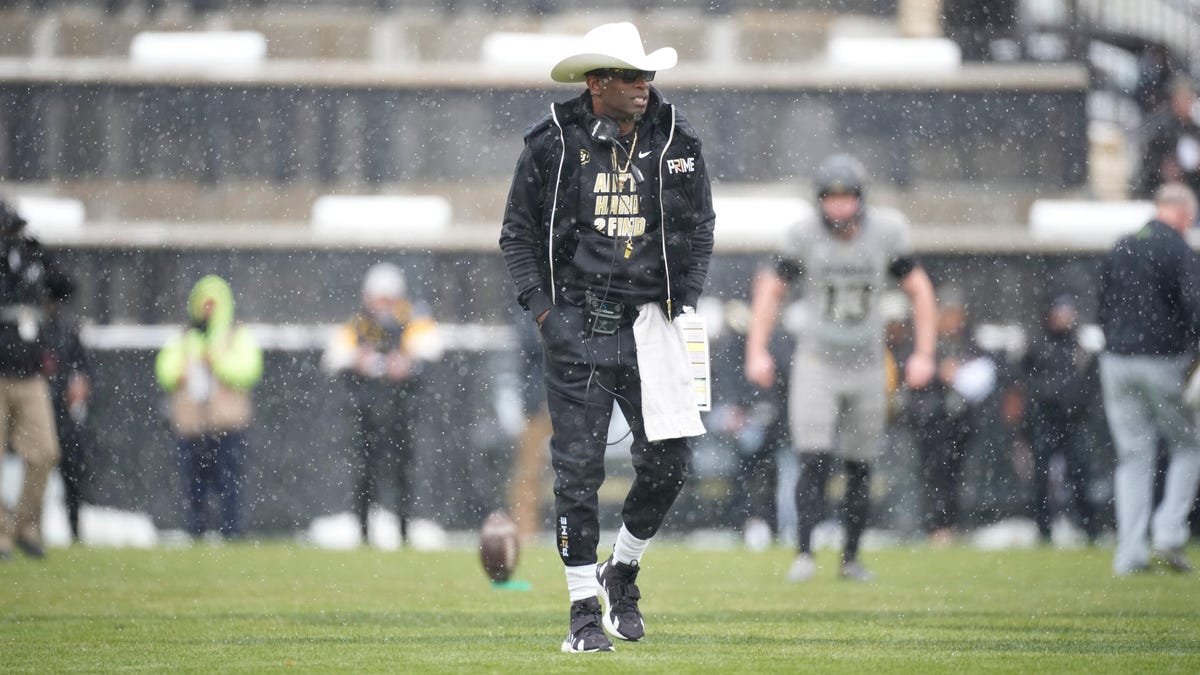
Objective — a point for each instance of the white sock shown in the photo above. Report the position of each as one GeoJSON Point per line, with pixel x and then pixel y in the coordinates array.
{"type": "Point", "coordinates": [581, 582]}
{"type": "Point", "coordinates": [629, 549]}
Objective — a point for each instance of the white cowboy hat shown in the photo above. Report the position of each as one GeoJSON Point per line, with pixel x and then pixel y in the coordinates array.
{"type": "Point", "coordinates": [613, 45]}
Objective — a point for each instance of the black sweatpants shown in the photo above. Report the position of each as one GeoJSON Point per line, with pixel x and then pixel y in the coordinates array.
{"type": "Point", "coordinates": [585, 373]}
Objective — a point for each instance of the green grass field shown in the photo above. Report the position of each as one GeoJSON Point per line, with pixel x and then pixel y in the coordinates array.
{"type": "Point", "coordinates": [275, 606]}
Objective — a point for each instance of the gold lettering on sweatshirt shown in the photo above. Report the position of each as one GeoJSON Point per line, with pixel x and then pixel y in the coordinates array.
{"type": "Point", "coordinates": [618, 206]}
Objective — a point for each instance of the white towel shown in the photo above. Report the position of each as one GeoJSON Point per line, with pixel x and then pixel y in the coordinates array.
{"type": "Point", "coordinates": [668, 402]}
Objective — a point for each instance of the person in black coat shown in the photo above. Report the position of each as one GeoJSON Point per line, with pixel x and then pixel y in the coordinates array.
{"type": "Point", "coordinates": [68, 370]}
{"type": "Point", "coordinates": [756, 421]}
{"type": "Point", "coordinates": [607, 235]}
{"type": "Point", "coordinates": [944, 416]}
{"type": "Point", "coordinates": [1060, 381]}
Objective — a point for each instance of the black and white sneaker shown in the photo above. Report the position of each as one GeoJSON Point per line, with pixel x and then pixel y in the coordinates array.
{"type": "Point", "coordinates": [622, 618]}
{"type": "Point", "coordinates": [586, 634]}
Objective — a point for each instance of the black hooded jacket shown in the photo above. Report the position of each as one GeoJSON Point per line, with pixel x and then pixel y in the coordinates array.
{"type": "Point", "coordinates": [1059, 374]}
{"type": "Point", "coordinates": [541, 231]}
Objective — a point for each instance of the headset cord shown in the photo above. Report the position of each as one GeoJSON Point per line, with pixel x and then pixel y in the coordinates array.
{"type": "Point", "coordinates": [587, 343]}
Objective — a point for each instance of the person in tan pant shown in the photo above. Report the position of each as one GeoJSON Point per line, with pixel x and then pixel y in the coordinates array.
{"type": "Point", "coordinates": [25, 413]}
{"type": "Point", "coordinates": [25, 401]}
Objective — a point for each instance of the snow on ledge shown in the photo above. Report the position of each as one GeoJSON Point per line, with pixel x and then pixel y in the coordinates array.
{"type": "Point", "coordinates": [221, 51]}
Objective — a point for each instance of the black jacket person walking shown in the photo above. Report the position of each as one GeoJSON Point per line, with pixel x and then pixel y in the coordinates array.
{"type": "Point", "coordinates": [607, 235]}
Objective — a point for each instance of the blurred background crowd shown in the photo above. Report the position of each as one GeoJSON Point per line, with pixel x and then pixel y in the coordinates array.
{"type": "Point", "coordinates": [290, 147]}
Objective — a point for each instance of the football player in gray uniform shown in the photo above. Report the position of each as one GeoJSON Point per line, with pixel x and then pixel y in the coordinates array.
{"type": "Point", "coordinates": [836, 401]}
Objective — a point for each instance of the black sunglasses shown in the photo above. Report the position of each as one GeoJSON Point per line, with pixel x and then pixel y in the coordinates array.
{"type": "Point", "coordinates": [628, 75]}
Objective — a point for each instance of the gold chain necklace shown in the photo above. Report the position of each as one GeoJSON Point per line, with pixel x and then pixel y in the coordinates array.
{"type": "Point", "coordinates": [625, 171]}
{"type": "Point", "coordinates": [629, 158]}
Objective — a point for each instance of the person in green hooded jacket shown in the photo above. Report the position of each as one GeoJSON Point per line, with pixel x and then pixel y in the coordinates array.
{"type": "Point", "coordinates": [208, 371]}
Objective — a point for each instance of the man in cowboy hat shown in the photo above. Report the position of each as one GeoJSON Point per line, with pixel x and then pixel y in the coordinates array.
{"type": "Point", "coordinates": [607, 234]}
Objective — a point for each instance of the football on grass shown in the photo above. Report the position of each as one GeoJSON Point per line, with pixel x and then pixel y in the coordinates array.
{"type": "Point", "coordinates": [498, 546]}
